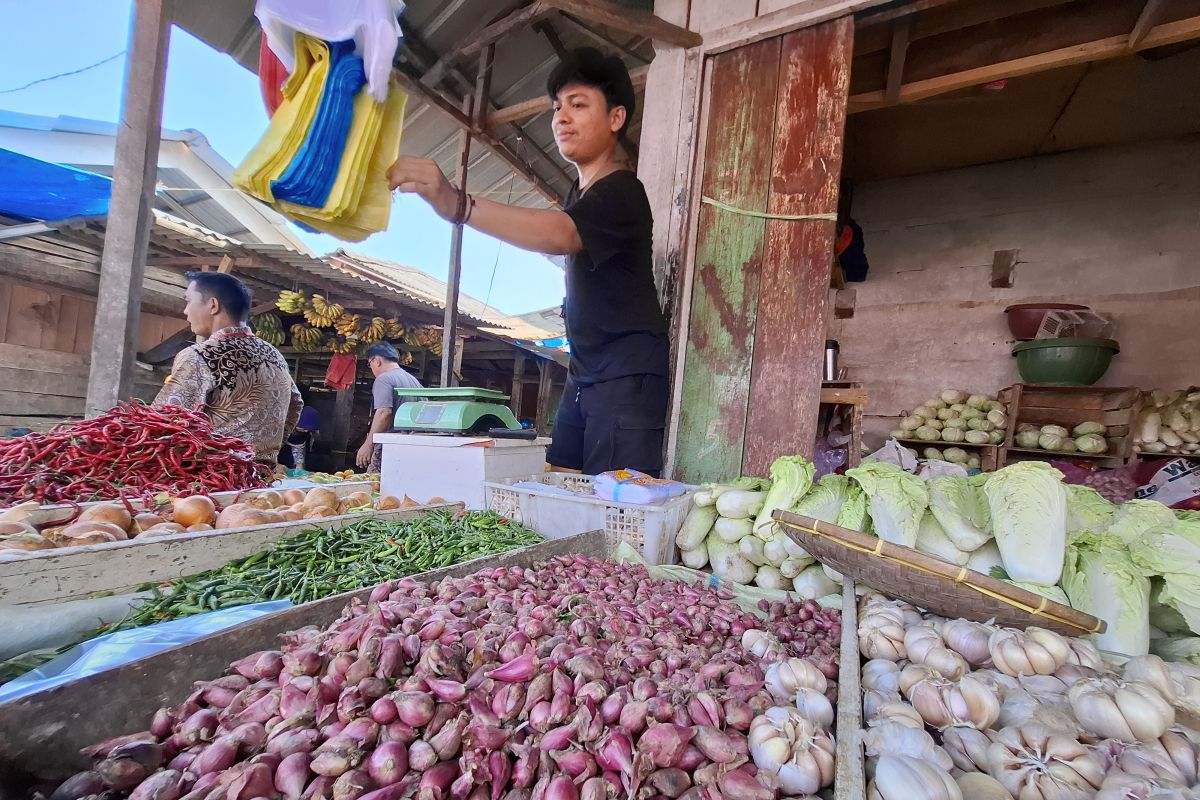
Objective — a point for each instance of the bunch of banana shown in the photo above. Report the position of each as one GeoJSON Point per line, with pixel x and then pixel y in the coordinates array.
{"type": "Point", "coordinates": [307, 339]}
{"type": "Point", "coordinates": [268, 328]}
{"type": "Point", "coordinates": [406, 358]}
{"type": "Point", "coordinates": [292, 302]}
{"type": "Point", "coordinates": [346, 324]}
{"type": "Point", "coordinates": [395, 328]}
{"type": "Point", "coordinates": [375, 331]}
{"type": "Point", "coordinates": [322, 313]}
{"type": "Point", "coordinates": [342, 344]}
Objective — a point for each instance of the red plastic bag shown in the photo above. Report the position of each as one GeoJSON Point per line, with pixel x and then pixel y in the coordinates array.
{"type": "Point", "coordinates": [271, 76]}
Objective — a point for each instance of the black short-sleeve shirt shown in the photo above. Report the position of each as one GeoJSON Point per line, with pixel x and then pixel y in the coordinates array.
{"type": "Point", "coordinates": [614, 321]}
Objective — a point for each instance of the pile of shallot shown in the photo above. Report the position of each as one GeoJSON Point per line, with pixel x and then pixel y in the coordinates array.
{"type": "Point", "coordinates": [958, 709]}
{"type": "Point", "coordinates": [574, 679]}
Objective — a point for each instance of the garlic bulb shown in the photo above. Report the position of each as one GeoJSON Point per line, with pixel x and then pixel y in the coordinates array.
{"type": "Point", "coordinates": [1151, 670]}
{"type": "Point", "coordinates": [1184, 753]}
{"type": "Point", "coordinates": [925, 646]}
{"type": "Point", "coordinates": [1042, 686]}
{"type": "Point", "coordinates": [907, 778]}
{"type": "Point", "coordinates": [881, 632]}
{"type": "Point", "coordinates": [1019, 707]}
{"type": "Point", "coordinates": [1071, 674]}
{"type": "Point", "coordinates": [1084, 654]}
{"type": "Point", "coordinates": [967, 748]}
{"type": "Point", "coordinates": [943, 703]}
{"type": "Point", "coordinates": [875, 699]}
{"type": "Point", "coordinates": [1035, 763]}
{"type": "Point", "coordinates": [968, 639]}
{"type": "Point", "coordinates": [814, 707]}
{"type": "Point", "coordinates": [978, 786]}
{"type": "Point", "coordinates": [895, 739]}
{"type": "Point", "coordinates": [881, 674]}
{"type": "Point", "coordinates": [785, 678]}
{"type": "Point", "coordinates": [897, 712]}
{"type": "Point", "coordinates": [997, 680]}
{"type": "Point", "coordinates": [1037, 651]}
{"type": "Point", "coordinates": [761, 643]}
{"type": "Point", "coordinates": [1130, 712]}
{"type": "Point", "coordinates": [800, 754]}
{"type": "Point", "coordinates": [1119, 785]}
{"type": "Point", "coordinates": [1146, 760]}
{"type": "Point", "coordinates": [1185, 680]}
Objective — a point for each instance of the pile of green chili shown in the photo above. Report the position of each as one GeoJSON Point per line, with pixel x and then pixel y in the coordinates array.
{"type": "Point", "coordinates": [319, 563]}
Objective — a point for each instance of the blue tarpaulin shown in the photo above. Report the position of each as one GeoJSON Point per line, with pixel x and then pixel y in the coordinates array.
{"type": "Point", "coordinates": [31, 189]}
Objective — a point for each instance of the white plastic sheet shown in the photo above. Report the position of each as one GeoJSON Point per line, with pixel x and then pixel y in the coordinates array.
{"type": "Point", "coordinates": [374, 25]}
{"type": "Point", "coordinates": [122, 647]}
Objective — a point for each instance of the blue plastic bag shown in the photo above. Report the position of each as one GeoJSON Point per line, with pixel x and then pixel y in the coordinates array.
{"type": "Point", "coordinates": [121, 647]}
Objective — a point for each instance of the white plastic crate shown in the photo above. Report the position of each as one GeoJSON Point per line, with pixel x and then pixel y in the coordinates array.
{"type": "Point", "coordinates": [650, 529]}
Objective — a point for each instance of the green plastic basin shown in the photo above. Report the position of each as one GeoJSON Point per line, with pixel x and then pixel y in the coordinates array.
{"type": "Point", "coordinates": [1072, 361]}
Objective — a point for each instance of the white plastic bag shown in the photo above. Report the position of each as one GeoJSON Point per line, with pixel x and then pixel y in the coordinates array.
{"type": "Point", "coordinates": [374, 25]}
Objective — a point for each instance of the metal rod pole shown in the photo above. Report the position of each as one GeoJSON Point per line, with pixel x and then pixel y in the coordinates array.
{"type": "Point", "coordinates": [475, 109]}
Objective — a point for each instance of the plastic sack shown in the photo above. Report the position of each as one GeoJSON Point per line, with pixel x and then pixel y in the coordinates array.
{"type": "Point", "coordinates": [1176, 484]}
{"type": "Point", "coordinates": [374, 25]}
{"type": "Point", "coordinates": [55, 625]}
{"type": "Point", "coordinates": [121, 647]}
{"type": "Point", "coordinates": [893, 452]}
{"type": "Point", "coordinates": [631, 486]}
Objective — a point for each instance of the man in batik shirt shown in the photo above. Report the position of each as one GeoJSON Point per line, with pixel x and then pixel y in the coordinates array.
{"type": "Point", "coordinates": [238, 380]}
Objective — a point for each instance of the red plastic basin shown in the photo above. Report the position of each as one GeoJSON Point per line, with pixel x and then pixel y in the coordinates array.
{"type": "Point", "coordinates": [1024, 319]}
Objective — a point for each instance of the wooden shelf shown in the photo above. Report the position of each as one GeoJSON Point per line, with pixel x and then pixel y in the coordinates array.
{"type": "Point", "coordinates": [940, 443]}
{"type": "Point", "coordinates": [845, 393]}
{"type": "Point", "coordinates": [1037, 451]}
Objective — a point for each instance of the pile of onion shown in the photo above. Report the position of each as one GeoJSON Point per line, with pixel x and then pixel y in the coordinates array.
{"type": "Point", "coordinates": [574, 679]}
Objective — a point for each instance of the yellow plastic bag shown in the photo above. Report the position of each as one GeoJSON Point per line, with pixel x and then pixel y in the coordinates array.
{"type": "Point", "coordinates": [289, 127]}
{"type": "Point", "coordinates": [366, 203]}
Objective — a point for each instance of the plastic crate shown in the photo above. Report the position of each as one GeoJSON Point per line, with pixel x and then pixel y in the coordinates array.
{"type": "Point", "coordinates": [650, 529]}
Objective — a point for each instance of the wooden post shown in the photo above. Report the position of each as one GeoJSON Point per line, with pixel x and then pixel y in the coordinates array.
{"type": "Point", "coordinates": [518, 387]}
{"type": "Point", "coordinates": [542, 419]}
{"type": "Point", "coordinates": [476, 112]}
{"type": "Point", "coordinates": [135, 172]}
{"type": "Point", "coordinates": [339, 430]}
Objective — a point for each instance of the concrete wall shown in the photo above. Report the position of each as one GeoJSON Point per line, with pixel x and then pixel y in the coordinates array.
{"type": "Point", "coordinates": [1117, 229]}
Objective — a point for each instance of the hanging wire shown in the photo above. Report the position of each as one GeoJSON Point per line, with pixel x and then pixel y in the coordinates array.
{"type": "Point", "coordinates": [499, 245]}
{"type": "Point", "coordinates": [63, 74]}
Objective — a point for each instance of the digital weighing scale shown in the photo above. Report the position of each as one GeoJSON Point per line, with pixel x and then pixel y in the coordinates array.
{"type": "Point", "coordinates": [458, 411]}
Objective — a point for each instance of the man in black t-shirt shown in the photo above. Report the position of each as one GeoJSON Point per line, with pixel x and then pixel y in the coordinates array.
{"type": "Point", "coordinates": [614, 406]}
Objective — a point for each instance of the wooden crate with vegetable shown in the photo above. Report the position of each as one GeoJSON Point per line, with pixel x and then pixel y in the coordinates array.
{"type": "Point", "coordinates": [1069, 422]}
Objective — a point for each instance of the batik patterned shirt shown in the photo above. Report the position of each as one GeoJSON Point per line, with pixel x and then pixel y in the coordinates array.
{"type": "Point", "coordinates": [242, 384]}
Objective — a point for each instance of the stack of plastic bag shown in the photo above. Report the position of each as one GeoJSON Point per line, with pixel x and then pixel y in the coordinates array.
{"type": "Point", "coordinates": [323, 160]}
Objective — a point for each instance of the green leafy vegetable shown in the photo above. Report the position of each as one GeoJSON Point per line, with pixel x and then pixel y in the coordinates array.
{"type": "Point", "coordinates": [1175, 559]}
{"type": "Point", "coordinates": [791, 478]}
{"type": "Point", "coordinates": [933, 540]}
{"type": "Point", "coordinates": [1087, 510]}
{"type": "Point", "coordinates": [825, 499]}
{"type": "Point", "coordinates": [961, 508]}
{"type": "Point", "coordinates": [1028, 507]}
{"type": "Point", "coordinates": [853, 513]}
{"type": "Point", "coordinates": [1135, 518]}
{"type": "Point", "coordinates": [1102, 579]}
{"type": "Point", "coordinates": [897, 500]}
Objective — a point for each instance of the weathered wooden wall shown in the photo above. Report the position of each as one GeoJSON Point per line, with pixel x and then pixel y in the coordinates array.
{"type": "Point", "coordinates": [750, 378]}
{"type": "Point", "coordinates": [45, 342]}
{"type": "Point", "coordinates": [1113, 228]}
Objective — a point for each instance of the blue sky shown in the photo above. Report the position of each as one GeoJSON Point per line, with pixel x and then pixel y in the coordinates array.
{"type": "Point", "coordinates": [211, 93]}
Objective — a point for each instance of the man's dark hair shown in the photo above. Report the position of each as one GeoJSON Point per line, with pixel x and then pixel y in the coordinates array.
{"type": "Point", "coordinates": [589, 67]}
{"type": "Point", "coordinates": [233, 295]}
{"type": "Point", "coordinates": [383, 350]}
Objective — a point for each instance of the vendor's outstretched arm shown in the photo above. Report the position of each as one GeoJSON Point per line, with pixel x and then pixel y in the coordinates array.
{"type": "Point", "coordinates": [540, 230]}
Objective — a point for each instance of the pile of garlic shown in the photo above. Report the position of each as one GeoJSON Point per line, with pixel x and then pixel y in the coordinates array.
{"type": "Point", "coordinates": [792, 741]}
{"type": "Point", "coordinates": [957, 709]}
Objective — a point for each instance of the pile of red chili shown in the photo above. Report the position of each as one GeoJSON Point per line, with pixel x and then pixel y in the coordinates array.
{"type": "Point", "coordinates": [134, 450]}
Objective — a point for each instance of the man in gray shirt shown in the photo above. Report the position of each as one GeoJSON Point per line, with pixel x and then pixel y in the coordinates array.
{"type": "Point", "coordinates": [384, 362]}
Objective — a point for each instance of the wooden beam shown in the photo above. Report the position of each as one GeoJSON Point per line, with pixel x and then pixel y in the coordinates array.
{"type": "Point", "coordinates": [943, 16]}
{"type": "Point", "coordinates": [541, 421]}
{"type": "Point", "coordinates": [1151, 13]}
{"type": "Point", "coordinates": [629, 20]}
{"type": "Point", "coordinates": [777, 23]}
{"type": "Point", "coordinates": [168, 348]}
{"type": "Point", "coordinates": [546, 28]}
{"type": "Point", "coordinates": [130, 217]}
{"type": "Point", "coordinates": [1111, 47]}
{"type": "Point", "coordinates": [895, 73]}
{"type": "Point", "coordinates": [76, 277]}
{"type": "Point", "coordinates": [437, 101]}
{"type": "Point", "coordinates": [540, 105]}
{"type": "Point", "coordinates": [472, 45]}
{"type": "Point", "coordinates": [518, 385]}
{"type": "Point", "coordinates": [879, 17]}
{"type": "Point", "coordinates": [601, 38]}
{"type": "Point", "coordinates": [226, 265]}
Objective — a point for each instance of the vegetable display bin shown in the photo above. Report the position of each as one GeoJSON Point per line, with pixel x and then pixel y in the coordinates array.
{"type": "Point", "coordinates": [1074, 361]}
{"type": "Point", "coordinates": [1024, 319]}
{"type": "Point", "coordinates": [568, 506]}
